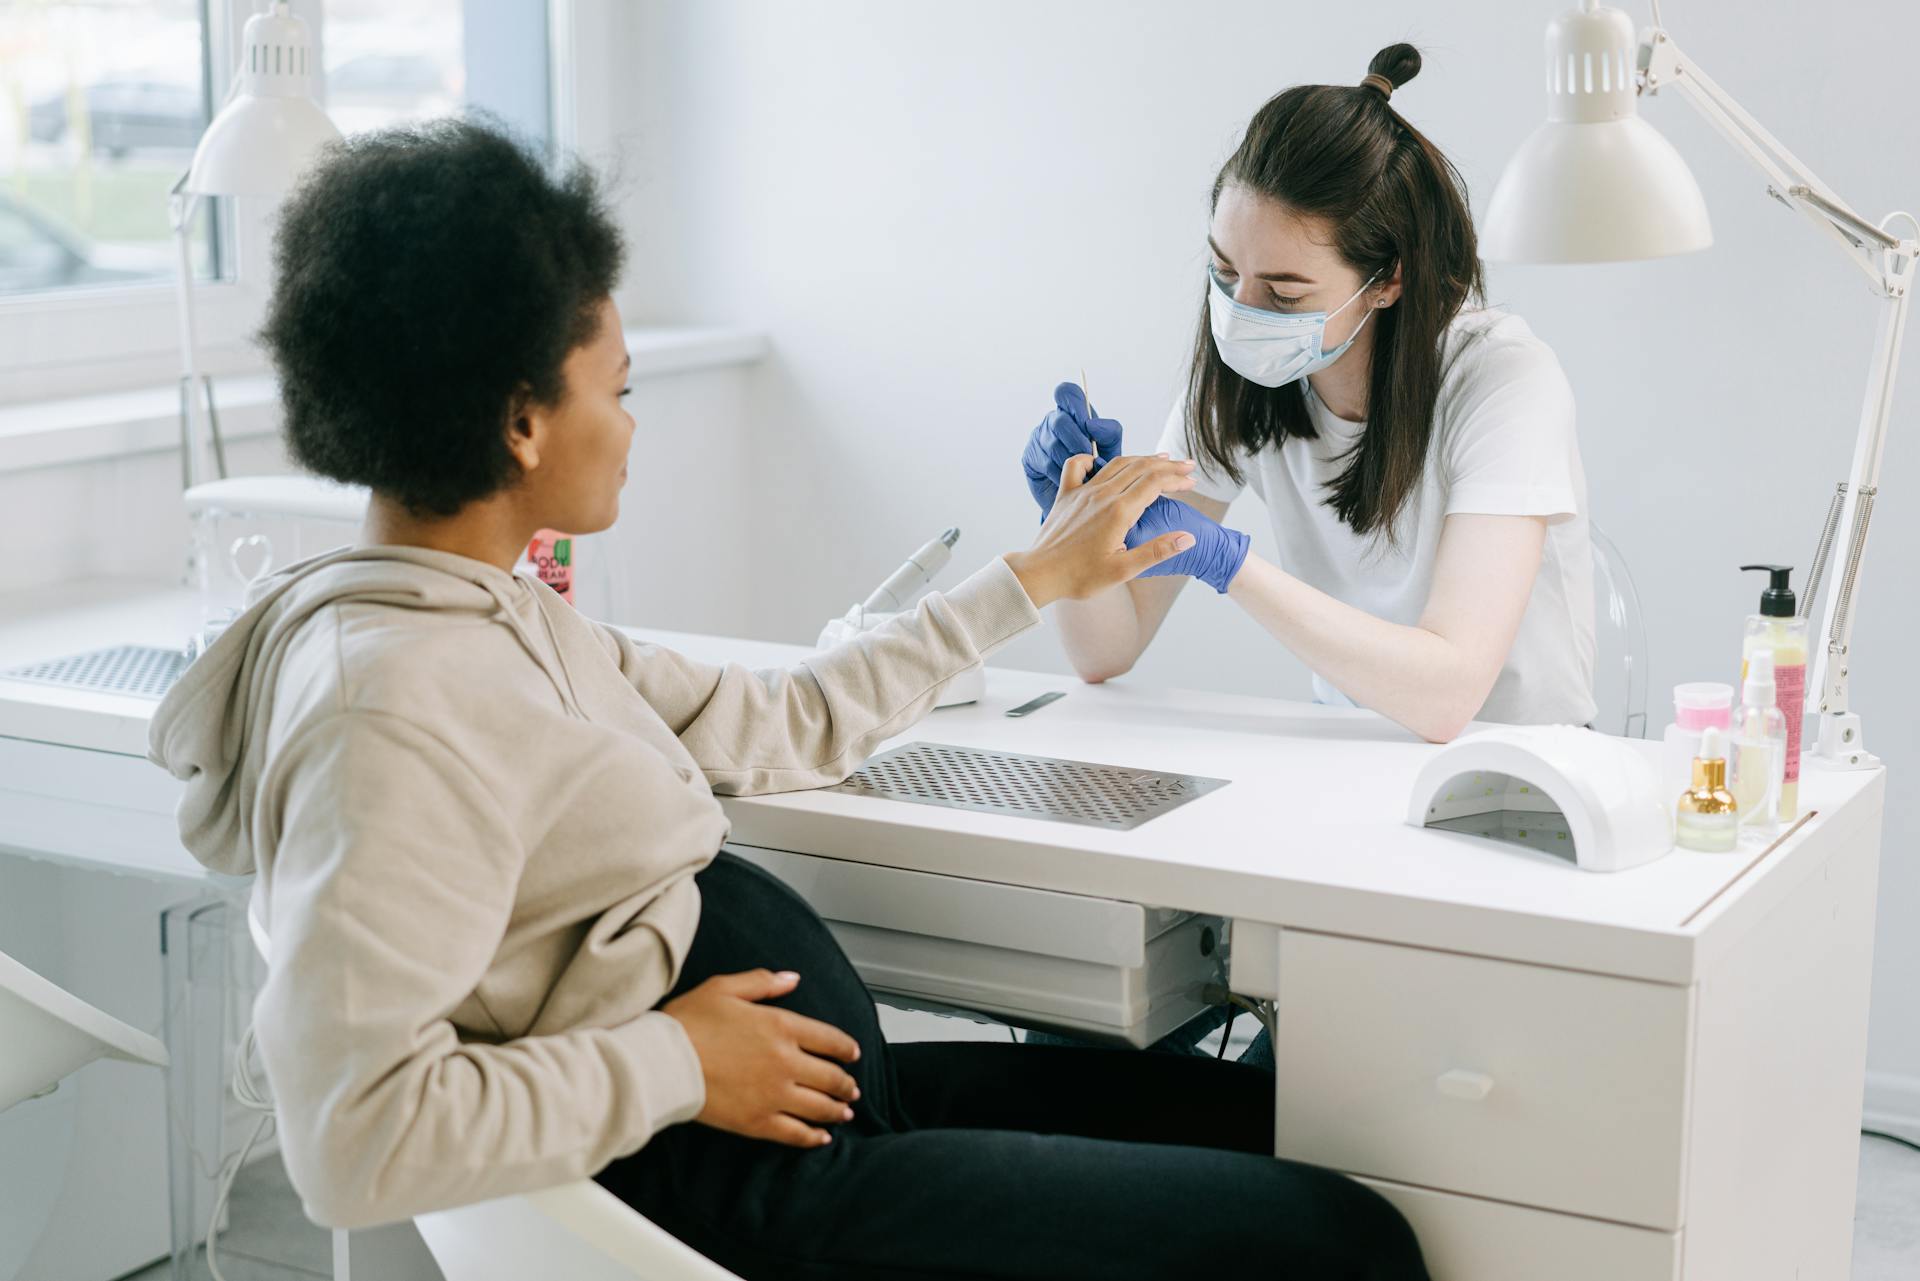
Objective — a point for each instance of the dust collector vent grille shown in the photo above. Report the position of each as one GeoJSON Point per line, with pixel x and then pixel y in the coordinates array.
{"type": "Point", "coordinates": [142, 671]}
{"type": "Point", "coordinates": [1059, 791]}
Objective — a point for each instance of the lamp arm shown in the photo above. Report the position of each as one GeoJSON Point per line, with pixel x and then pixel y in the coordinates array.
{"type": "Point", "coordinates": [1889, 262]}
{"type": "Point", "coordinates": [1839, 741]}
{"type": "Point", "coordinates": [1663, 65]}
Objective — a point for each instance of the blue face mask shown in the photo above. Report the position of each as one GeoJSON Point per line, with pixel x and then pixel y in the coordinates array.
{"type": "Point", "coordinates": [1273, 348]}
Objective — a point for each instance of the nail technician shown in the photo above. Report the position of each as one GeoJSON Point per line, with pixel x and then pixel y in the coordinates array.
{"type": "Point", "coordinates": [1415, 451]}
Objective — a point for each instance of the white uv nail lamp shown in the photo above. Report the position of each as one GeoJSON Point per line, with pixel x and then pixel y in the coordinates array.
{"type": "Point", "coordinates": [1590, 799]}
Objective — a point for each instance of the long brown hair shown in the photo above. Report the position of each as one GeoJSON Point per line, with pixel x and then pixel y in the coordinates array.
{"type": "Point", "coordinates": [1343, 155]}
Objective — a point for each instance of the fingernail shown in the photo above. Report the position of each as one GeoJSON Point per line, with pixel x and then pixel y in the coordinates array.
{"type": "Point", "coordinates": [825, 1138]}
{"type": "Point", "coordinates": [1184, 541]}
{"type": "Point", "coordinates": [846, 1114]}
{"type": "Point", "coordinates": [856, 1094]}
{"type": "Point", "coordinates": [787, 976]}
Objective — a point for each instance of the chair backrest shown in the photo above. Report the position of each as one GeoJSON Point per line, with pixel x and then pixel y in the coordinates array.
{"type": "Point", "coordinates": [1619, 643]}
{"type": "Point", "coordinates": [49, 1032]}
{"type": "Point", "coordinates": [579, 1230]}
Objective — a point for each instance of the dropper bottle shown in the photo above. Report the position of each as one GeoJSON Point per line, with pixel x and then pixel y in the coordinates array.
{"type": "Point", "coordinates": [1707, 817]}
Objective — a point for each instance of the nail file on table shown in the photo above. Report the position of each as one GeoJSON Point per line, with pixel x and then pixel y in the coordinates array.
{"type": "Point", "coordinates": [1035, 704]}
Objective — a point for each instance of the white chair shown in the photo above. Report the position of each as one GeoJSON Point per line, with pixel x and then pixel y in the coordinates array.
{"type": "Point", "coordinates": [1620, 643]}
{"type": "Point", "coordinates": [46, 1032]}
{"type": "Point", "coordinates": [579, 1230]}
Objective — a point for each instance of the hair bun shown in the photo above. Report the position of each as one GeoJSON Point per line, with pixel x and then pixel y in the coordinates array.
{"type": "Point", "coordinates": [1392, 67]}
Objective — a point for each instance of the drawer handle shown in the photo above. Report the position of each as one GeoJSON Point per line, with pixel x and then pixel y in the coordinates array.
{"type": "Point", "coordinates": [1469, 1086]}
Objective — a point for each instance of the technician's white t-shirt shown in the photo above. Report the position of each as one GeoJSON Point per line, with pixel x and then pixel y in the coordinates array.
{"type": "Point", "coordinates": [1503, 445]}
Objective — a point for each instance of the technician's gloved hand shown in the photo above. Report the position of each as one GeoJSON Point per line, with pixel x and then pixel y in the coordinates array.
{"type": "Point", "coordinates": [1217, 552]}
{"type": "Point", "coordinates": [1069, 430]}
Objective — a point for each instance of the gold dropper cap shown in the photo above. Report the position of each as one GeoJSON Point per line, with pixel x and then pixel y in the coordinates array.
{"type": "Point", "coordinates": [1709, 794]}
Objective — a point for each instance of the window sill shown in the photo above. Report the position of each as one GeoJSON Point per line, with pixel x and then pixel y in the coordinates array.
{"type": "Point", "coordinates": [51, 433]}
{"type": "Point", "coordinates": [657, 352]}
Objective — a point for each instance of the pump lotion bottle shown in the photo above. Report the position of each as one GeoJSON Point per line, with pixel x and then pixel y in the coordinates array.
{"type": "Point", "coordinates": [1776, 628]}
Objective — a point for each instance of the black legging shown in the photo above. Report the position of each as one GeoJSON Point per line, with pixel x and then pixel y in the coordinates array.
{"type": "Point", "coordinates": [979, 1159]}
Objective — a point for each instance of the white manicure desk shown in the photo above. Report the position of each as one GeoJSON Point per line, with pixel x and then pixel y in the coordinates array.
{"type": "Point", "coordinates": [1553, 1073]}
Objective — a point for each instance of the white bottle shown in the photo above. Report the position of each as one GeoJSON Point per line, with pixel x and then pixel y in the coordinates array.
{"type": "Point", "coordinates": [1757, 760]}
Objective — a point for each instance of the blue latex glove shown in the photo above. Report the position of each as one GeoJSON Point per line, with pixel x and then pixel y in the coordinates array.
{"type": "Point", "coordinates": [1069, 430]}
{"type": "Point", "coordinates": [1217, 552]}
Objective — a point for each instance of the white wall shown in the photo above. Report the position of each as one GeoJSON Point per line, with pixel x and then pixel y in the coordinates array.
{"type": "Point", "coordinates": [680, 534]}
{"type": "Point", "coordinates": [122, 517]}
{"type": "Point", "coordinates": [109, 518]}
{"type": "Point", "coordinates": [938, 211]}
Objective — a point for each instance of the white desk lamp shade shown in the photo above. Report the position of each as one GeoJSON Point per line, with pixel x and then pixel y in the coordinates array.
{"type": "Point", "coordinates": [271, 129]}
{"type": "Point", "coordinates": [47, 1032]}
{"type": "Point", "coordinates": [1595, 183]}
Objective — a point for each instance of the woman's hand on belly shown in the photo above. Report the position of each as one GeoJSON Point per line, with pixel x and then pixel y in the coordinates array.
{"type": "Point", "coordinates": [770, 1073]}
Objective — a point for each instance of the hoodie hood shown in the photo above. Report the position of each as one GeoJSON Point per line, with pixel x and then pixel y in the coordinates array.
{"type": "Point", "coordinates": [210, 730]}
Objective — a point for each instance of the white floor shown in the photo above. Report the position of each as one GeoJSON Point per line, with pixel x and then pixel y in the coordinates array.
{"type": "Point", "coordinates": [1886, 1213]}
{"type": "Point", "coordinates": [270, 1240]}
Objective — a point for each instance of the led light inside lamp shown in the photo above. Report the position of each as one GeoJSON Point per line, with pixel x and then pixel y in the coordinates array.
{"type": "Point", "coordinates": [1595, 183]}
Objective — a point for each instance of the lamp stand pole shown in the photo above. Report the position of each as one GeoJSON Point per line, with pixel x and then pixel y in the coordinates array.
{"type": "Point", "coordinates": [199, 420]}
{"type": "Point", "coordinates": [1889, 264]}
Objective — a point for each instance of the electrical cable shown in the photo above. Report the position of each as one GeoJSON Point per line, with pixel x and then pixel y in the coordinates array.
{"type": "Point", "coordinates": [1261, 1010]}
{"type": "Point", "coordinates": [1216, 993]}
{"type": "Point", "coordinates": [1891, 1138]}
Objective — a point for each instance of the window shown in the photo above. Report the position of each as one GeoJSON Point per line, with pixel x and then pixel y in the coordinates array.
{"type": "Point", "coordinates": [101, 103]}
{"type": "Point", "coordinates": [388, 61]}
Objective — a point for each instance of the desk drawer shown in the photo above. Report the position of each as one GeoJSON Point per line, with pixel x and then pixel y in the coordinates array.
{"type": "Point", "coordinates": [1465, 1239]}
{"type": "Point", "coordinates": [1537, 1086]}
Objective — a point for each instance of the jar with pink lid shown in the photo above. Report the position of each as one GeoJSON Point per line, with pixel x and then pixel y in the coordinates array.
{"type": "Point", "coordinates": [1697, 706]}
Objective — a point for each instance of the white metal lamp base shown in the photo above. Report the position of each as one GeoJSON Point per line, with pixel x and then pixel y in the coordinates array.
{"type": "Point", "coordinates": [1841, 744]}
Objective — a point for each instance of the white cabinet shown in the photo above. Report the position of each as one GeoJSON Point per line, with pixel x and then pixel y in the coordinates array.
{"type": "Point", "coordinates": [1466, 1239]}
{"type": "Point", "coordinates": [1519, 1083]}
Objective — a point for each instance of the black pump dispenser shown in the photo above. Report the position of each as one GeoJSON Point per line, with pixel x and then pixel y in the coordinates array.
{"type": "Point", "coordinates": [1777, 601]}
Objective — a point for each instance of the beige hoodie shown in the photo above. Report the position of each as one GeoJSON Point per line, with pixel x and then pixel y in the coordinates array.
{"type": "Point", "coordinates": [475, 817]}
